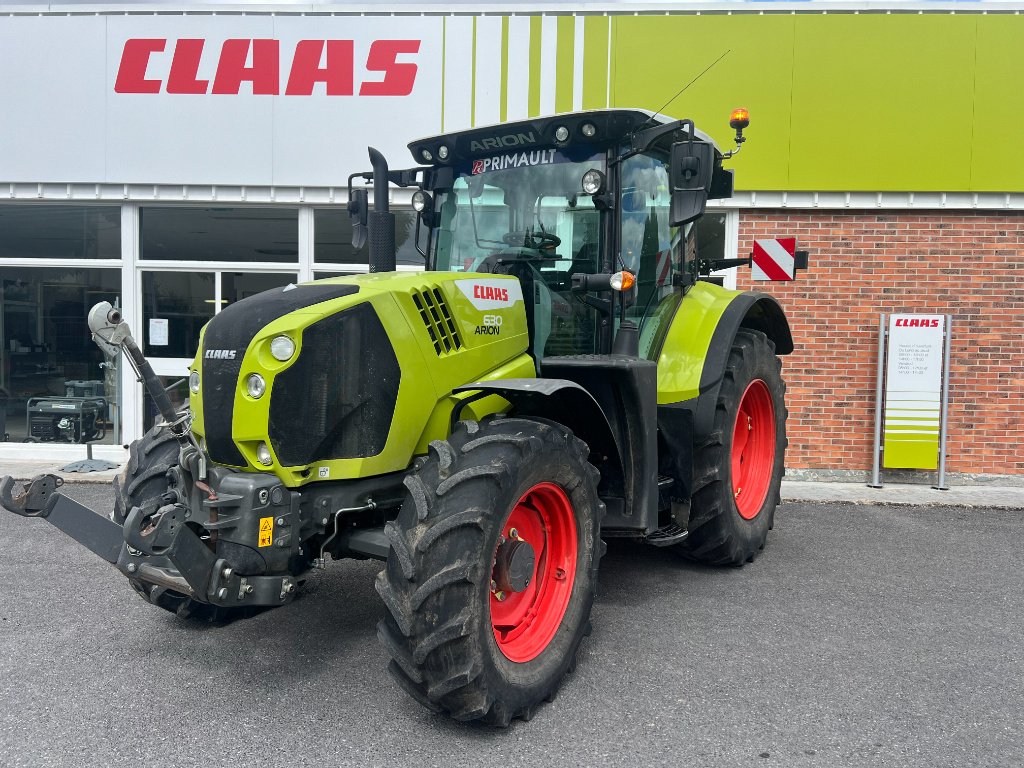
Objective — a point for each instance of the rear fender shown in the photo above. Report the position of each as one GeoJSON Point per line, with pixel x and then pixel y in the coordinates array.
{"type": "Point", "coordinates": [695, 349]}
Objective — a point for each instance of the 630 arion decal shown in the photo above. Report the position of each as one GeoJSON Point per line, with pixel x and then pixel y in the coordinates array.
{"type": "Point", "coordinates": [144, 67]}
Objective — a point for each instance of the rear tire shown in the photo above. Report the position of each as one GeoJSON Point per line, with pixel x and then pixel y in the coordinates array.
{"type": "Point", "coordinates": [459, 642]}
{"type": "Point", "coordinates": [738, 467]}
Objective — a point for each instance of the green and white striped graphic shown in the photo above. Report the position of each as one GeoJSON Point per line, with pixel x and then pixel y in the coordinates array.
{"type": "Point", "coordinates": [499, 68]}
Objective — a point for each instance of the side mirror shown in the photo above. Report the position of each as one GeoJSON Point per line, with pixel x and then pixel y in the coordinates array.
{"type": "Point", "coordinates": [357, 207]}
{"type": "Point", "coordinates": [692, 165]}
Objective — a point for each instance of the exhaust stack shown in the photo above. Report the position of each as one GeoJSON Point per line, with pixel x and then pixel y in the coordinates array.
{"type": "Point", "coordinates": [381, 219]}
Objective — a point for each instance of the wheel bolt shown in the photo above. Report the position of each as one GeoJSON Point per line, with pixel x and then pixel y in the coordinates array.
{"type": "Point", "coordinates": [559, 574]}
{"type": "Point", "coordinates": [494, 585]}
{"type": "Point", "coordinates": [499, 596]}
{"type": "Point", "coordinates": [513, 534]}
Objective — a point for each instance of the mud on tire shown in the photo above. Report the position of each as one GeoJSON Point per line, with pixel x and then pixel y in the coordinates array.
{"type": "Point", "coordinates": [443, 628]}
{"type": "Point", "coordinates": [736, 485]}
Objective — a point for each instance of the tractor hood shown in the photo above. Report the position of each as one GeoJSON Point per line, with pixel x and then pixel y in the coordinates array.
{"type": "Point", "coordinates": [365, 359]}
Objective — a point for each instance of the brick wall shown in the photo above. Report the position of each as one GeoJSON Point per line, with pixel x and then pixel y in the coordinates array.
{"type": "Point", "coordinates": [970, 265]}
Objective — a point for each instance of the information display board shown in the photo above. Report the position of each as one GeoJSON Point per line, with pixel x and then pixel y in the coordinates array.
{"type": "Point", "coordinates": [913, 391]}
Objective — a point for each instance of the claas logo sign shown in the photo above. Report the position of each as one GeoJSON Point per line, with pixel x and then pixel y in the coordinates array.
{"type": "Point", "coordinates": [387, 71]}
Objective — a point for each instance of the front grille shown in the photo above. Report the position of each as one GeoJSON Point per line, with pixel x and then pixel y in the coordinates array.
{"type": "Point", "coordinates": [229, 335]}
{"type": "Point", "coordinates": [438, 320]}
{"type": "Point", "coordinates": [337, 400]}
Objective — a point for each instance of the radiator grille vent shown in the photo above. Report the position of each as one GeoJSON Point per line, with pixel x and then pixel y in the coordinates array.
{"type": "Point", "coordinates": [438, 320]}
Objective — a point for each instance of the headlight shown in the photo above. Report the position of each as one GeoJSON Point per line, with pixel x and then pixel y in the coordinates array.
{"type": "Point", "coordinates": [263, 454]}
{"type": "Point", "coordinates": [193, 382]}
{"type": "Point", "coordinates": [282, 348]}
{"type": "Point", "coordinates": [593, 182]}
{"type": "Point", "coordinates": [255, 385]}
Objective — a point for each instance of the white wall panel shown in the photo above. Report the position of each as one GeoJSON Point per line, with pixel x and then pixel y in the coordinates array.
{"type": "Point", "coordinates": [518, 67]}
{"type": "Point", "coordinates": [488, 70]}
{"type": "Point", "coordinates": [458, 74]}
{"type": "Point", "coordinates": [53, 94]}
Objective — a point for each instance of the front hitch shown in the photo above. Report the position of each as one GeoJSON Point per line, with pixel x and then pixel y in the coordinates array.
{"type": "Point", "coordinates": [33, 498]}
{"type": "Point", "coordinates": [100, 535]}
{"type": "Point", "coordinates": [154, 545]}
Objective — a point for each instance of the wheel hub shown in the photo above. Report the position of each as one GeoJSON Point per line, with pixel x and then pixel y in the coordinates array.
{"type": "Point", "coordinates": [513, 565]}
{"type": "Point", "coordinates": [753, 449]}
{"type": "Point", "coordinates": [533, 573]}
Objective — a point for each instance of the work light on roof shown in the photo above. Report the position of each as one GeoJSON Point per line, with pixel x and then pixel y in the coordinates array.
{"type": "Point", "coordinates": [442, 152]}
{"type": "Point", "coordinates": [561, 133]}
{"type": "Point", "coordinates": [427, 155]}
{"type": "Point", "coordinates": [589, 130]}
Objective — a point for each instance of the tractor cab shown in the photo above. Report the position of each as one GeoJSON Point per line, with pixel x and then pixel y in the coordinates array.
{"type": "Point", "coordinates": [593, 213]}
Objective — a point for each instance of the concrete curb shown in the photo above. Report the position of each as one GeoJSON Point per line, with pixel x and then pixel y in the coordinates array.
{"type": "Point", "coordinates": [816, 491]}
{"type": "Point", "coordinates": [893, 494]}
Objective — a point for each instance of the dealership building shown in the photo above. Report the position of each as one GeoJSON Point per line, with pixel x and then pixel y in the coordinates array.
{"type": "Point", "coordinates": [177, 158]}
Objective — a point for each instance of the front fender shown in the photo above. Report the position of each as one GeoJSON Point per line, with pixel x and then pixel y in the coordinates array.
{"type": "Point", "coordinates": [569, 404]}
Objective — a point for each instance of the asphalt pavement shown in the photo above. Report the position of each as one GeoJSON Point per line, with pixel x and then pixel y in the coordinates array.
{"type": "Point", "coordinates": [864, 635]}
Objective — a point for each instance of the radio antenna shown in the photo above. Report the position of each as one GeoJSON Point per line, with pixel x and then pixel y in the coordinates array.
{"type": "Point", "coordinates": [694, 80]}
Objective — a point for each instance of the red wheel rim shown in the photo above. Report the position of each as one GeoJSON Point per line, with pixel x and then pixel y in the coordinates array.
{"type": "Point", "coordinates": [525, 622]}
{"type": "Point", "coordinates": [753, 449]}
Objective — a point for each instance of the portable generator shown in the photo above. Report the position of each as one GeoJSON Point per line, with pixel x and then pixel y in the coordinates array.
{"type": "Point", "coordinates": [65, 419]}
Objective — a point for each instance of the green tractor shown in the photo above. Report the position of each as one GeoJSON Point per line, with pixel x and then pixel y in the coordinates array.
{"type": "Point", "coordinates": [565, 371]}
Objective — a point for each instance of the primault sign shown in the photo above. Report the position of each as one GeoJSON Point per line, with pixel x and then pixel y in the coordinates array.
{"type": "Point", "coordinates": [254, 99]}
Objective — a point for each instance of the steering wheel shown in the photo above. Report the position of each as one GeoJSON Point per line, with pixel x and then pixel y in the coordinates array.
{"type": "Point", "coordinates": [537, 240]}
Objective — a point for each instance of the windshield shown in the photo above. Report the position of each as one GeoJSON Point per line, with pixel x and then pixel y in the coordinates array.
{"type": "Point", "coordinates": [525, 214]}
{"type": "Point", "coordinates": [525, 204]}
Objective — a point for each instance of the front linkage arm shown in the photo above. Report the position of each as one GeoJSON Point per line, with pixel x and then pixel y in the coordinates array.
{"type": "Point", "coordinates": [39, 498]}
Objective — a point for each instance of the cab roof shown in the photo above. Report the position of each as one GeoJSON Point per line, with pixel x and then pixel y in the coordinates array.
{"type": "Point", "coordinates": [610, 126]}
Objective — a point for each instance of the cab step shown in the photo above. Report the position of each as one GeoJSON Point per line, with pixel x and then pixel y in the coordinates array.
{"type": "Point", "coordinates": [667, 536]}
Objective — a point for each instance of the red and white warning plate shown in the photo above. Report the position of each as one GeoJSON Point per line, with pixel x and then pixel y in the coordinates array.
{"type": "Point", "coordinates": [774, 259]}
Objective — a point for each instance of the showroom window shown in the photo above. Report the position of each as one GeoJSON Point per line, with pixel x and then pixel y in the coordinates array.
{"type": "Point", "coordinates": [175, 307]}
{"type": "Point", "coordinates": [55, 384]}
{"type": "Point", "coordinates": [333, 240]}
{"type": "Point", "coordinates": [68, 232]}
{"type": "Point", "coordinates": [245, 235]}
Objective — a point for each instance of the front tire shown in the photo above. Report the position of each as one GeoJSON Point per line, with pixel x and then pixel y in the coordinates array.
{"type": "Point", "coordinates": [493, 569]}
{"type": "Point", "coordinates": [143, 481]}
{"type": "Point", "coordinates": [738, 468]}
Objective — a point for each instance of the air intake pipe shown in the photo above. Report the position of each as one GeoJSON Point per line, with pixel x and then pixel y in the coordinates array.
{"type": "Point", "coordinates": [381, 221]}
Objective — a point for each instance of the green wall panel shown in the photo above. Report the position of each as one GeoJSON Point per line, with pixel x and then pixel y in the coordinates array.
{"type": "Point", "coordinates": [654, 56]}
{"type": "Point", "coordinates": [998, 160]}
{"type": "Point", "coordinates": [882, 102]}
{"type": "Point", "coordinates": [845, 102]}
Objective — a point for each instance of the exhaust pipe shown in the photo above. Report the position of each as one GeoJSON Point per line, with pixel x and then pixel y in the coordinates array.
{"type": "Point", "coordinates": [381, 220]}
